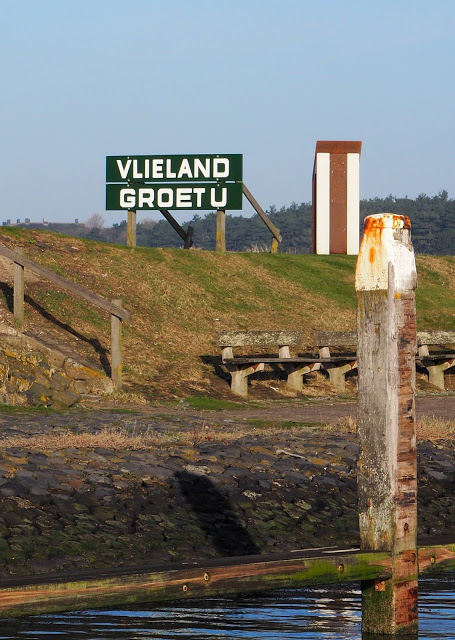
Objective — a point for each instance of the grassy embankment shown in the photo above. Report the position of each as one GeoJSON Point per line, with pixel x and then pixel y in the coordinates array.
{"type": "Point", "coordinates": [180, 299]}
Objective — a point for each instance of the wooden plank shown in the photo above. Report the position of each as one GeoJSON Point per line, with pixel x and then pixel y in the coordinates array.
{"type": "Point", "coordinates": [261, 213]}
{"type": "Point", "coordinates": [435, 357]}
{"type": "Point", "coordinates": [272, 360]}
{"type": "Point", "coordinates": [335, 338]}
{"type": "Point", "coordinates": [342, 338]}
{"type": "Point", "coordinates": [347, 338]}
{"type": "Point", "coordinates": [436, 337]}
{"type": "Point", "coordinates": [38, 594]}
{"type": "Point", "coordinates": [258, 338]}
{"type": "Point", "coordinates": [45, 594]}
{"type": "Point", "coordinates": [387, 476]}
{"type": "Point", "coordinates": [64, 283]}
{"type": "Point", "coordinates": [436, 556]}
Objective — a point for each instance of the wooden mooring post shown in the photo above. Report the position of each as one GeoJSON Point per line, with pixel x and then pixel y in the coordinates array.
{"type": "Point", "coordinates": [387, 478]}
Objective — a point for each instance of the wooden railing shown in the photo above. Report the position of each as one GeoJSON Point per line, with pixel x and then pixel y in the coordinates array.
{"type": "Point", "coordinates": [65, 591]}
{"type": "Point", "coordinates": [114, 307]}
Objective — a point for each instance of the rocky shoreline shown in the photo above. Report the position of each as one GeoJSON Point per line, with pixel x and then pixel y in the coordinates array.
{"type": "Point", "coordinates": [197, 497]}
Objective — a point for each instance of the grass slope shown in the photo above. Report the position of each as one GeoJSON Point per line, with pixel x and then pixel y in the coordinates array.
{"type": "Point", "coordinates": [180, 299]}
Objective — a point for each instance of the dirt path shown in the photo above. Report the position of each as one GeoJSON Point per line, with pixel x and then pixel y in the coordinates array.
{"type": "Point", "coordinates": [441, 407]}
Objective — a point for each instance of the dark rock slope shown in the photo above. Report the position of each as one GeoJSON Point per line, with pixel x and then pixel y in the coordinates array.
{"type": "Point", "coordinates": [76, 508]}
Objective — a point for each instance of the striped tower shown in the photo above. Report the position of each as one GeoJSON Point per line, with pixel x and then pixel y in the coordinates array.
{"type": "Point", "coordinates": [335, 209]}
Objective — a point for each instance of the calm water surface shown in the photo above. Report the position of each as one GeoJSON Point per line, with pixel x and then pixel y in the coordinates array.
{"type": "Point", "coordinates": [310, 614]}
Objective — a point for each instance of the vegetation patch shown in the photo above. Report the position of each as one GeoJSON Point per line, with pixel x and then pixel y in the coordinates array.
{"type": "Point", "coordinates": [21, 410]}
{"type": "Point", "coordinates": [179, 300]}
{"type": "Point", "coordinates": [330, 276]}
{"type": "Point", "coordinates": [211, 404]}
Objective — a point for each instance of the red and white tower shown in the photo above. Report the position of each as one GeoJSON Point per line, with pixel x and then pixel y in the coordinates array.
{"type": "Point", "coordinates": [336, 197]}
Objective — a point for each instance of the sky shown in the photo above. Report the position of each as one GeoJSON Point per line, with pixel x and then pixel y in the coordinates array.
{"type": "Point", "coordinates": [263, 78]}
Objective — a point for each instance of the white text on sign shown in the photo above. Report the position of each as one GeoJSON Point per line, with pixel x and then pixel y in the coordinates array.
{"type": "Point", "coordinates": [167, 169]}
{"type": "Point", "coordinates": [162, 198]}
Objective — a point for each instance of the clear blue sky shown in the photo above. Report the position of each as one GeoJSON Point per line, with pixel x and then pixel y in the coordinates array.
{"type": "Point", "coordinates": [266, 78]}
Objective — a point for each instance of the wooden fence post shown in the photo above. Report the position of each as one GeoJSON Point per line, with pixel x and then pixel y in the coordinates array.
{"type": "Point", "coordinates": [131, 229]}
{"type": "Point", "coordinates": [387, 476]}
{"type": "Point", "coordinates": [220, 230]}
{"type": "Point", "coordinates": [18, 291]}
{"type": "Point", "coordinates": [116, 348]}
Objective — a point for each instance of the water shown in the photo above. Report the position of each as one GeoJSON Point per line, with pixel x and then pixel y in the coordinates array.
{"type": "Point", "coordinates": [309, 614]}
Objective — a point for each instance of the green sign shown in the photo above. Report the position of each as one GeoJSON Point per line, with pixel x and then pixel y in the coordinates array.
{"type": "Point", "coordinates": [203, 168]}
{"type": "Point", "coordinates": [203, 195]}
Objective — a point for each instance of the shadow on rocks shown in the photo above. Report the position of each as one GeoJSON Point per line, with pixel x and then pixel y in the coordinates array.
{"type": "Point", "coordinates": [216, 517]}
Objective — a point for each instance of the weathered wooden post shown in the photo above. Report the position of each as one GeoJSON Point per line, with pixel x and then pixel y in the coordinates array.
{"type": "Point", "coordinates": [387, 477]}
{"type": "Point", "coordinates": [220, 230]}
{"type": "Point", "coordinates": [187, 236]}
{"type": "Point", "coordinates": [18, 291]}
{"type": "Point", "coordinates": [131, 229]}
{"type": "Point", "coordinates": [116, 348]}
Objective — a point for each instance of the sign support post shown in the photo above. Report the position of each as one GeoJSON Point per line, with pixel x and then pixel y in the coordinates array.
{"type": "Point", "coordinates": [187, 236]}
{"type": "Point", "coordinates": [220, 230]}
{"type": "Point", "coordinates": [386, 280]}
{"type": "Point", "coordinates": [265, 219]}
{"type": "Point", "coordinates": [176, 182]}
{"type": "Point", "coordinates": [131, 229]}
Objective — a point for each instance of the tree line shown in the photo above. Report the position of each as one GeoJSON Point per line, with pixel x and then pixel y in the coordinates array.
{"type": "Point", "coordinates": [432, 219]}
